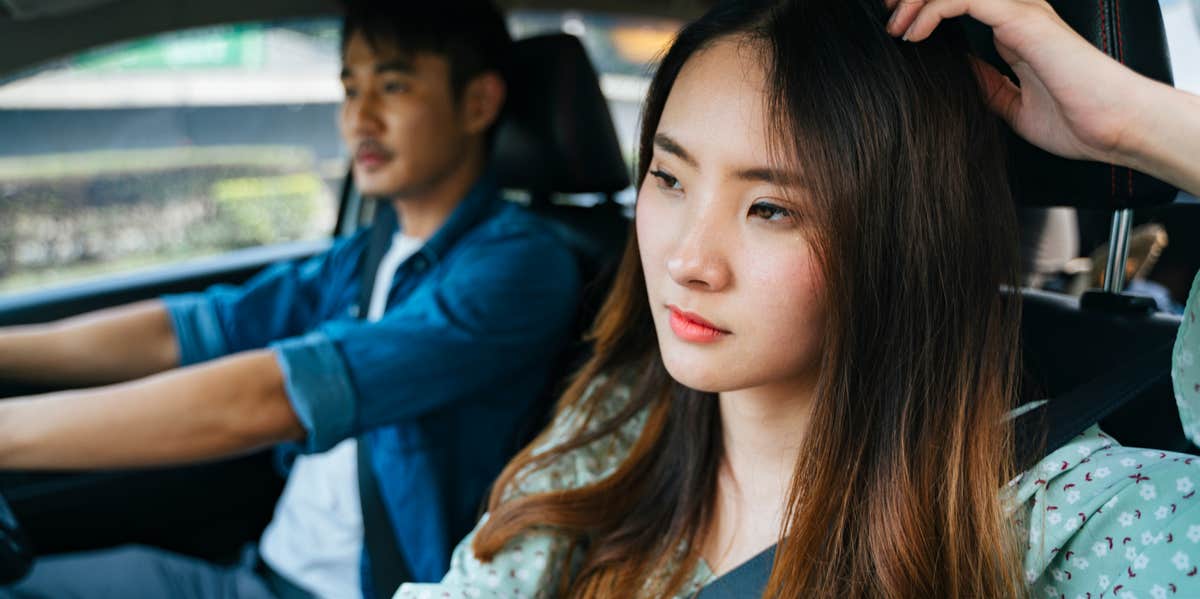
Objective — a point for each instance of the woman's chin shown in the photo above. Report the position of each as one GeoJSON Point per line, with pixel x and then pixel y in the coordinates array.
{"type": "Point", "coordinates": [704, 375]}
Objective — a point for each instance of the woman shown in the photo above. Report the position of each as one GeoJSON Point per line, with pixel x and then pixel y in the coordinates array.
{"type": "Point", "coordinates": [806, 346]}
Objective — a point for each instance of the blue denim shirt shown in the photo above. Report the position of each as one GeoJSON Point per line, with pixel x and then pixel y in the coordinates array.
{"type": "Point", "coordinates": [438, 386]}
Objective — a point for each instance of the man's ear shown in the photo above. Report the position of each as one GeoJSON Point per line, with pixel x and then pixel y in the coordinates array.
{"type": "Point", "coordinates": [482, 101]}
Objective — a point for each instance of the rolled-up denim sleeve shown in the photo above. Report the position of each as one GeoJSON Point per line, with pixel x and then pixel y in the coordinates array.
{"type": "Point", "coordinates": [319, 389]}
{"type": "Point", "coordinates": [503, 307]}
{"type": "Point", "coordinates": [197, 326]}
{"type": "Point", "coordinates": [285, 300]}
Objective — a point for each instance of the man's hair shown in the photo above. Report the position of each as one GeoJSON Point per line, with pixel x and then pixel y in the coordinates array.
{"type": "Point", "coordinates": [470, 34]}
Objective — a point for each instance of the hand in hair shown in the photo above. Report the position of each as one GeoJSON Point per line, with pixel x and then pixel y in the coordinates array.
{"type": "Point", "coordinates": [1073, 99]}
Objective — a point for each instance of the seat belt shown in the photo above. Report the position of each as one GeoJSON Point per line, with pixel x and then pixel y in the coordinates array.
{"type": "Point", "coordinates": [387, 564]}
{"type": "Point", "coordinates": [1061, 419]}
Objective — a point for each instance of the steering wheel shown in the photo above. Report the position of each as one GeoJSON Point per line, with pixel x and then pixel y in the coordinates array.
{"type": "Point", "coordinates": [16, 557]}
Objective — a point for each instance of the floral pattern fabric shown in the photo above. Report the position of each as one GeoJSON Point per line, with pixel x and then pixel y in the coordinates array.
{"type": "Point", "coordinates": [1103, 521]}
{"type": "Point", "coordinates": [1110, 521]}
{"type": "Point", "coordinates": [1185, 367]}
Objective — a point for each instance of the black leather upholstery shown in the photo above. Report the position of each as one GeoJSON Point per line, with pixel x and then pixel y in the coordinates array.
{"type": "Point", "coordinates": [1131, 31]}
{"type": "Point", "coordinates": [558, 135]}
{"type": "Point", "coordinates": [1065, 347]}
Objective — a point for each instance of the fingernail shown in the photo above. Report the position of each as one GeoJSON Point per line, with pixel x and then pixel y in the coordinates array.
{"type": "Point", "coordinates": [907, 32]}
{"type": "Point", "coordinates": [892, 19]}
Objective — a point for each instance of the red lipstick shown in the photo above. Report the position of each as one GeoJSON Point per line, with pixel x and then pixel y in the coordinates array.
{"type": "Point", "coordinates": [692, 328]}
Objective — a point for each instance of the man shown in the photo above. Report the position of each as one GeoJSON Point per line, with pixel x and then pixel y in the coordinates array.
{"type": "Point", "coordinates": [423, 382]}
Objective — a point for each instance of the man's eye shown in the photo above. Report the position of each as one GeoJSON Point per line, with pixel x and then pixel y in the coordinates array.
{"type": "Point", "coordinates": [393, 87]}
{"type": "Point", "coordinates": [770, 212]}
{"type": "Point", "coordinates": [666, 180]}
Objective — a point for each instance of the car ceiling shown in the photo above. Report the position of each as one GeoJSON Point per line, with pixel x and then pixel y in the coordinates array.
{"type": "Point", "coordinates": [35, 31]}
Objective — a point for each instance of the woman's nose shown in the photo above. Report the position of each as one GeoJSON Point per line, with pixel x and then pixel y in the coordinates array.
{"type": "Point", "coordinates": [698, 261]}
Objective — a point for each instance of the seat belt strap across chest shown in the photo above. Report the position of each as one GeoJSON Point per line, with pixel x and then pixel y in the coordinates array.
{"type": "Point", "coordinates": [1042, 431]}
{"type": "Point", "coordinates": [388, 568]}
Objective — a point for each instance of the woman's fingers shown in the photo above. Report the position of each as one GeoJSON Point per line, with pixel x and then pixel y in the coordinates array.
{"type": "Point", "coordinates": [918, 18]}
{"type": "Point", "coordinates": [903, 12]}
{"type": "Point", "coordinates": [1003, 97]}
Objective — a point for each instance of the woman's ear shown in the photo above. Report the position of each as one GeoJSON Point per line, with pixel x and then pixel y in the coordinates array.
{"type": "Point", "coordinates": [482, 101]}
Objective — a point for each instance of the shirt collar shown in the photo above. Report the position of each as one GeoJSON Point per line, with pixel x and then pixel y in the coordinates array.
{"type": "Point", "coordinates": [473, 208]}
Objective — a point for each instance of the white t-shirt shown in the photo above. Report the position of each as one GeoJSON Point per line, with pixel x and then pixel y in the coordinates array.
{"type": "Point", "coordinates": [315, 538]}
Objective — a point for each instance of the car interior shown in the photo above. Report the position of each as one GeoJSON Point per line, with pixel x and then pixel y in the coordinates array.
{"type": "Point", "coordinates": [1070, 341]}
{"type": "Point", "coordinates": [557, 138]}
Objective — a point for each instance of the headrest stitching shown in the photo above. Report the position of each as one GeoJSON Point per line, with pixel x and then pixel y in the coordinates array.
{"type": "Point", "coordinates": [1103, 14]}
{"type": "Point", "coordinates": [1121, 52]}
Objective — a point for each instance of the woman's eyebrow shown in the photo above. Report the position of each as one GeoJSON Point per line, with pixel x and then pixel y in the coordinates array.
{"type": "Point", "coordinates": [771, 176]}
{"type": "Point", "coordinates": [664, 142]}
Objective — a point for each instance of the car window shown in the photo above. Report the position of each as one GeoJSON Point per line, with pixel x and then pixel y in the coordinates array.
{"type": "Point", "coordinates": [190, 144]}
{"type": "Point", "coordinates": [1181, 18]}
{"type": "Point", "coordinates": [1182, 21]}
{"type": "Point", "coordinates": [169, 148]}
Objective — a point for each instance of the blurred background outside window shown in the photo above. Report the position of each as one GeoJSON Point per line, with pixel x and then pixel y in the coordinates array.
{"type": "Point", "coordinates": [197, 143]}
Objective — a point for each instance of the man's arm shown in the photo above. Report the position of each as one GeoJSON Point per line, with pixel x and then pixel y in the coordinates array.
{"type": "Point", "coordinates": [217, 409]}
{"type": "Point", "coordinates": [103, 347]}
{"type": "Point", "coordinates": [500, 314]}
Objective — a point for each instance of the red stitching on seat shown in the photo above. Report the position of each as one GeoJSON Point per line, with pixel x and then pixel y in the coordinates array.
{"type": "Point", "coordinates": [1120, 36]}
{"type": "Point", "coordinates": [1112, 194]}
{"type": "Point", "coordinates": [1121, 55]}
{"type": "Point", "coordinates": [1103, 26]}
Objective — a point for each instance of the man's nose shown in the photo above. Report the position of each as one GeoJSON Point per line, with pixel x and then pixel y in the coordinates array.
{"type": "Point", "coordinates": [361, 115]}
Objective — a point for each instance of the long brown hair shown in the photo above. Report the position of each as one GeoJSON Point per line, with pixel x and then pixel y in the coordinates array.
{"type": "Point", "coordinates": [897, 490]}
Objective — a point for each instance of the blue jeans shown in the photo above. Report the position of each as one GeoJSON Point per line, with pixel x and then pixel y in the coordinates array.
{"type": "Point", "coordinates": [139, 572]}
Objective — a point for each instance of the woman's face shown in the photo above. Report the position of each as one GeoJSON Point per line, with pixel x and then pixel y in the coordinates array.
{"type": "Point", "coordinates": [733, 282]}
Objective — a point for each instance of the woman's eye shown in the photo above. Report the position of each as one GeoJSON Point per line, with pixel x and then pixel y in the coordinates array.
{"type": "Point", "coordinates": [770, 212]}
{"type": "Point", "coordinates": [351, 92]}
{"type": "Point", "coordinates": [666, 180]}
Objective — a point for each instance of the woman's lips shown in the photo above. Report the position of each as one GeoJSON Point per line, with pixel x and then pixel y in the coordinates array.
{"type": "Point", "coordinates": [692, 328]}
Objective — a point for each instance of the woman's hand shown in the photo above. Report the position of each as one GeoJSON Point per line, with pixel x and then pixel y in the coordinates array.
{"type": "Point", "coordinates": [1073, 99]}
{"type": "Point", "coordinates": [1058, 105]}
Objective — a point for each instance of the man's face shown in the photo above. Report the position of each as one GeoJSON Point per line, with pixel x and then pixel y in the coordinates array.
{"type": "Point", "coordinates": [400, 119]}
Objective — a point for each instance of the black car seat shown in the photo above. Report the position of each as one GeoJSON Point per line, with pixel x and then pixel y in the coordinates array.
{"type": "Point", "coordinates": [558, 138]}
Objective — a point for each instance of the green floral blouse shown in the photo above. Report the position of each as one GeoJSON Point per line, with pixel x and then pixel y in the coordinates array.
{"type": "Point", "coordinates": [1104, 521]}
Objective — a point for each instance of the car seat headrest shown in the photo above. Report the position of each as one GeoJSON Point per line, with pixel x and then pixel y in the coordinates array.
{"type": "Point", "coordinates": [557, 134]}
{"type": "Point", "coordinates": [1130, 31]}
